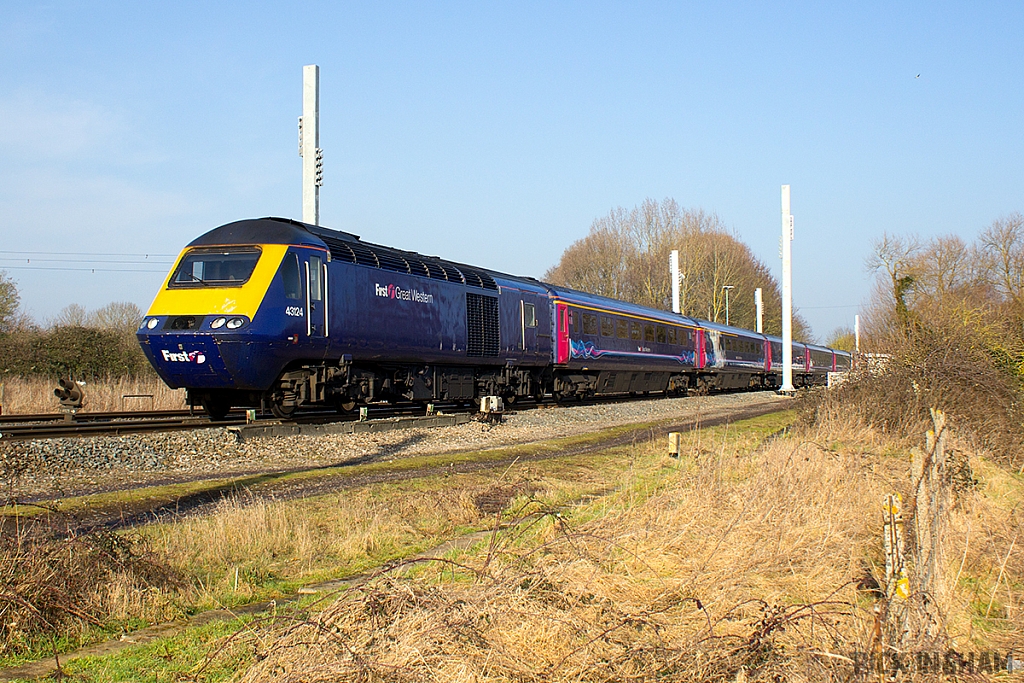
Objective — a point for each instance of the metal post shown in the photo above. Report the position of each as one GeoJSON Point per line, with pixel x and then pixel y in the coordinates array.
{"type": "Point", "coordinates": [856, 334]}
{"type": "Point", "coordinates": [309, 145]}
{"type": "Point", "coordinates": [727, 288]}
{"type": "Point", "coordinates": [759, 305]}
{"type": "Point", "coordinates": [787, 295]}
{"type": "Point", "coordinates": [673, 268]}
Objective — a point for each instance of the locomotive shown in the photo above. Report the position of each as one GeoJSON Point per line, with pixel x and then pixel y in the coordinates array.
{"type": "Point", "coordinates": [279, 314]}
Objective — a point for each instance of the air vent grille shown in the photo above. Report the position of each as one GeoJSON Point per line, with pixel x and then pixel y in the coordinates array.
{"type": "Point", "coordinates": [482, 326]}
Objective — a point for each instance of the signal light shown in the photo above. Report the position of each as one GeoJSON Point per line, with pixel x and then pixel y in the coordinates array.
{"type": "Point", "coordinates": [153, 322]}
{"type": "Point", "coordinates": [235, 323]}
{"type": "Point", "coordinates": [69, 393]}
{"type": "Point", "coordinates": [218, 323]}
{"type": "Point", "coordinates": [319, 172]}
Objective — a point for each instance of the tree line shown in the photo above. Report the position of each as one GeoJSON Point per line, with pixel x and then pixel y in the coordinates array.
{"type": "Point", "coordinates": [626, 255]}
{"type": "Point", "coordinates": [76, 343]}
{"type": "Point", "coordinates": [948, 316]}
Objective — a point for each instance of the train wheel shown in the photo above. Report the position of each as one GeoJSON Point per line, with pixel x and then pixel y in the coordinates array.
{"type": "Point", "coordinates": [281, 411]}
{"type": "Point", "coordinates": [217, 407]}
{"type": "Point", "coordinates": [345, 406]}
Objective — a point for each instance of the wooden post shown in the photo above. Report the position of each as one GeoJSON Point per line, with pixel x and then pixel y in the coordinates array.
{"type": "Point", "coordinates": [673, 444]}
{"type": "Point", "coordinates": [931, 501]}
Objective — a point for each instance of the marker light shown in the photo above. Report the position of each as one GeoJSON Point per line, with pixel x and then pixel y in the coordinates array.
{"type": "Point", "coordinates": [153, 322]}
{"type": "Point", "coordinates": [218, 323]}
{"type": "Point", "coordinates": [235, 323]}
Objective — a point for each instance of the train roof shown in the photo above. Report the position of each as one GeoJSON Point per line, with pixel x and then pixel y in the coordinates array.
{"type": "Point", "coordinates": [260, 231]}
{"type": "Point", "coordinates": [605, 302]}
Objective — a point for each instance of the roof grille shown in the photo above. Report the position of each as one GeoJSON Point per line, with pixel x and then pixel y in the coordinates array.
{"type": "Point", "coordinates": [395, 260]}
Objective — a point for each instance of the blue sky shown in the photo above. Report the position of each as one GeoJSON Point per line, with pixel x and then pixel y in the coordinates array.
{"type": "Point", "coordinates": [496, 133]}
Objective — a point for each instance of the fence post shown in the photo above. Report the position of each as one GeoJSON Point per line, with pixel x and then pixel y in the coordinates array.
{"type": "Point", "coordinates": [931, 500]}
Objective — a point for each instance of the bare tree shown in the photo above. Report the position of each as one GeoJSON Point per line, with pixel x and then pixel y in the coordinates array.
{"type": "Point", "coordinates": [122, 316]}
{"type": "Point", "coordinates": [72, 315]}
{"type": "Point", "coordinates": [9, 302]}
{"type": "Point", "coordinates": [625, 256]}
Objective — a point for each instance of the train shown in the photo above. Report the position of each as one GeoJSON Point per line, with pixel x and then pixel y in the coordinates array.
{"type": "Point", "coordinates": [277, 314]}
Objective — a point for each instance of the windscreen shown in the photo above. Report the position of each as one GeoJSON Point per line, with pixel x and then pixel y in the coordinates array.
{"type": "Point", "coordinates": [216, 267]}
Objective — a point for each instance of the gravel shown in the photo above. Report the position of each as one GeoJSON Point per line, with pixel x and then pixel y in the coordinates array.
{"type": "Point", "coordinates": [39, 469]}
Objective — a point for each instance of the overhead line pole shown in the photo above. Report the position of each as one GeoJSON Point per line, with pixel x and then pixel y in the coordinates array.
{"type": "Point", "coordinates": [787, 295]}
{"type": "Point", "coordinates": [309, 145]}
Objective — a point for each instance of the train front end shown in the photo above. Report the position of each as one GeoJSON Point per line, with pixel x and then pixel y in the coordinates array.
{"type": "Point", "coordinates": [226, 322]}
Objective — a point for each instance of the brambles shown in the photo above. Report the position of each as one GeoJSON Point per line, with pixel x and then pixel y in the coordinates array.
{"type": "Point", "coordinates": [55, 581]}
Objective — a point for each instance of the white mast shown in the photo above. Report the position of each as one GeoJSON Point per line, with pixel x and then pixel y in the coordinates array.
{"type": "Point", "coordinates": [309, 145]}
{"type": "Point", "coordinates": [787, 295]}
{"type": "Point", "coordinates": [673, 268]}
{"type": "Point", "coordinates": [759, 305]}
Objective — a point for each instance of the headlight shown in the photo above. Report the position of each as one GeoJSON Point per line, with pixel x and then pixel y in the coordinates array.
{"type": "Point", "coordinates": [153, 322]}
{"type": "Point", "coordinates": [235, 323]}
{"type": "Point", "coordinates": [218, 323]}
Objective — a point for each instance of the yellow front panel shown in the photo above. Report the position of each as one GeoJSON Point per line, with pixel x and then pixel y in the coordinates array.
{"type": "Point", "coordinates": [244, 300]}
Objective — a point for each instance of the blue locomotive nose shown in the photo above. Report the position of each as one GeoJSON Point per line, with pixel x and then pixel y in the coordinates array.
{"type": "Point", "coordinates": [188, 360]}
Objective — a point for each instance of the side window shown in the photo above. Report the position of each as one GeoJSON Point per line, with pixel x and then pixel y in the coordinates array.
{"type": "Point", "coordinates": [672, 332]}
{"type": "Point", "coordinates": [572, 322]}
{"type": "Point", "coordinates": [316, 290]}
{"type": "Point", "coordinates": [661, 334]}
{"type": "Point", "coordinates": [607, 326]}
{"type": "Point", "coordinates": [634, 331]}
{"type": "Point", "coordinates": [290, 277]}
{"type": "Point", "coordinates": [622, 329]}
{"type": "Point", "coordinates": [589, 323]}
{"type": "Point", "coordinates": [649, 333]}
{"type": "Point", "coordinates": [529, 315]}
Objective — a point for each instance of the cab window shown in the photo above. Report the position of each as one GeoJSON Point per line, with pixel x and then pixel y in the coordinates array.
{"type": "Point", "coordinates": [529, 315]}
{"type": "Point", "coordinates": [216, 267]}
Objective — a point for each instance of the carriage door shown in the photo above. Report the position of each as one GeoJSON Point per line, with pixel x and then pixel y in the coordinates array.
{"type": "Point", "coordinates": [528, 327]}
{"type": "Point", "coordinates": [316, 297]}
{"type": "Point", "coordinates": [562, 325]}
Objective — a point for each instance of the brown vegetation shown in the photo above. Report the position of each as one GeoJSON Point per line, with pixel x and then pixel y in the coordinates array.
{"type": "Point", "coordinates": [951, 317]}
{"type": "Point", "coordinates": [35, 395]}
{"type": "Point", "coordinates": [55, 581]}
{"type": "Point", "coordinates": [625, 256]}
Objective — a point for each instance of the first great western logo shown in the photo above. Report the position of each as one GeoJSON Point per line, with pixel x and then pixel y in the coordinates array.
{"type": "Point", "coordinates": [392, 291]}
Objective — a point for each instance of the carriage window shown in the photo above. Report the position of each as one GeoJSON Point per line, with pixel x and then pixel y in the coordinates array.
{"type": "Point", "coordinates": [622, 329]}
{"type": "Point", "coordinates": [672, 335]}
{"type": "Point", "coordinates": [315, 273]}
{"type": "Point", "coordinates": [589, 323]}
{"type": "Point", "coordinates": [216, 267]}
{"type": "Point", "coordinates": [607, 326]}
{"type": "Point", "coordinates": [649, 333]}
{"type": "Point", "coordinates": [661, 334]}
{"type": "Point", "coordinates": [634, 331]}
{"type": "Point", "coordinates": [290, 277]}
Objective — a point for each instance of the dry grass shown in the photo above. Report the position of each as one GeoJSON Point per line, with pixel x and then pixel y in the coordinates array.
{"type": "Point", "coordinates": [244, 542]}
{"type": "Point", "coordinates": [35, 395]}
{"type": "Point", "coordinates": [758, 565]}
{"type": "Point", "coordinates": [56, 582]}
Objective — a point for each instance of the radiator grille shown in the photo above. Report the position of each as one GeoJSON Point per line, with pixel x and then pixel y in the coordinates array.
{"type": "Point", "coordinates": [482, 325]}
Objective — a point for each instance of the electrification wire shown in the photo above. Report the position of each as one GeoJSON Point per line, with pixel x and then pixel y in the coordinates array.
{"type": "Point", "coordinates": [85, 270]}
{"type": "Point", "coordinates": [64, 260]}
{"type": "Point", "coordinates": [85, 253]}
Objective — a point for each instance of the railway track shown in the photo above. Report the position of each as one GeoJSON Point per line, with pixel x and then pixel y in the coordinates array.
{"type": "Point", "coordinates": [55, 425]}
